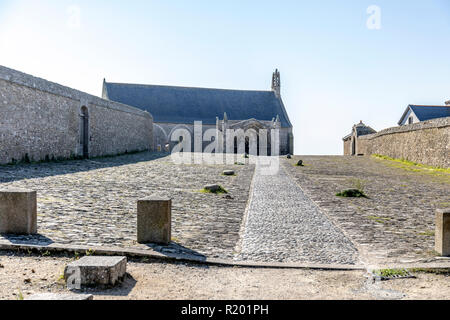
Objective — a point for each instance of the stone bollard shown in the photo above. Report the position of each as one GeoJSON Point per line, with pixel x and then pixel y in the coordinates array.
{"type": "Point", "coordinates": [18, 211]}
{"type": "Point", "coordinates": [442, 234]}
{"type": "Point", "coordinates": [154, 217]}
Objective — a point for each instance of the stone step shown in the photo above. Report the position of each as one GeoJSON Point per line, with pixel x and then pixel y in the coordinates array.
{"type": "Point", "coordinates": [95, 270]}
{"type": "Point", "coordinates": [60, 297]}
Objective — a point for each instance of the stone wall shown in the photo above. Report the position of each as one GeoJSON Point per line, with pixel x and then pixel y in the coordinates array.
{"type": "Point", "coordinates": [425, 142]}
{"type": "Point", "coordinates": [42, 120]}
{"type": "Point", "coordinates": [348, 147]}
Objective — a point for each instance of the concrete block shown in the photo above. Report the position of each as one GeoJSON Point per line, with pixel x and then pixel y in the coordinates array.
{"type": "Point", "coordinates": [154, 220]}
{"type": "Point", "coordinates": [18, 211]}
{"type": "Point", "coordinates": [442, 233]}
{"type": "Point", "coordinates": [94, 270]}
{"type": "Point", "coordinates": [60, 297]}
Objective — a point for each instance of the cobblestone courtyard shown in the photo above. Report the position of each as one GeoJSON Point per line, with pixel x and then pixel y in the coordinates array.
{"type": "Point", "coordinates": [263, 219]}
{"type": "Point", "coordinates": [93, 202]}
{"type": "Point", "coordinates": [395, 224]}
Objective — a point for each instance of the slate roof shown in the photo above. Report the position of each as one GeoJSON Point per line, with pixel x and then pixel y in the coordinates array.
{"type": "Point", "coordinates": [186, 105]}
{"type": "Point", "coordinates": [361, 130]}
{"type": "Point", "coordinates": [424, 113]}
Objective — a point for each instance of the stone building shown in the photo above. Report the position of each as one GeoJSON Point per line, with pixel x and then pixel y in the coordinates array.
{"type": "Point", "coordinates": [418, 113]}
{"type": "Point", "coordinates": [179, 107]}
{"type": "Point", "coordinates": [351, 141]}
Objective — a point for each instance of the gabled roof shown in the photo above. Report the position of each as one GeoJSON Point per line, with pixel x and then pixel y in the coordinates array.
{"type": "Point", "coordinates": [361, 130]}
{"type": "Point", "coordinates": [186, 105]}
{"type": "Point", "coordinates": [424, 113]}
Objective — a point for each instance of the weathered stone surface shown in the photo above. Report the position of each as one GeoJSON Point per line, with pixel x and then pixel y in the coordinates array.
{"type": "Point", "coordinates": [229, 173]}
{"type": "Point", "coordinates": [60, 297]}
{"type": "Point", "coordinates": [18, 211]}
{"type": "Point", "coordinates": [442, 234]}
{"type": "Point", "coordinates": [95, 270]}
{"type": "Point", "coordinates": [154, 220]}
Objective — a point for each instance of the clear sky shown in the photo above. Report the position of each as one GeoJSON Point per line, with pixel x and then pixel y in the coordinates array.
{"type": "Point", "coordinates": [335, 70]}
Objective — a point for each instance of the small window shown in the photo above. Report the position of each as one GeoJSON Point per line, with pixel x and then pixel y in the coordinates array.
{"type": "Point", "coordinates": [410, 120]}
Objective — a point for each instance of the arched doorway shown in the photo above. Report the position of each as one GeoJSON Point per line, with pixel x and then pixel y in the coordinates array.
{"type": "Point", "coordinates": [84, 132]}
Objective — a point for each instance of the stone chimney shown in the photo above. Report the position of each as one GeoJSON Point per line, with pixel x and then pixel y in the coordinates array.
{"type": "Point", "coordinates": [276, 83]}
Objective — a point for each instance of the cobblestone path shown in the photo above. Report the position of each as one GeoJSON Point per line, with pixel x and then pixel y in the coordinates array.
{"type": "Point", "coordinates": [284, 225]}
{"type": "Point", "coordinates": [94, 202]}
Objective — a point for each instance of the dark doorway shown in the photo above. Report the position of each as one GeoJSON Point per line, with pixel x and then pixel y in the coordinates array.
{"type": "Point", "coordinates": [85, 131]}
{"type": "Point", "coordinates": [353, 146]}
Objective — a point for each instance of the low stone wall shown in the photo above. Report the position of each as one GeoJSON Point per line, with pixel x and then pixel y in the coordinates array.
{"type": "Point", "coordinates": [425, 142]}
{"type": "Point", "coordinates": [42, 120]}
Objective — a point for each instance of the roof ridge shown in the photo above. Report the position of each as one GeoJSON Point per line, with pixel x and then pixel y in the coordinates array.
{"type": "Point", "coordinates": [427, 105]}
{"type": "Point", "coordinates": [181, 87]}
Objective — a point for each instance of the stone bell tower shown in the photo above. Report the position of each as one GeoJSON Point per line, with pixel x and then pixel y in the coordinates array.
{"type": "Point", "coordinates": [276, 83]}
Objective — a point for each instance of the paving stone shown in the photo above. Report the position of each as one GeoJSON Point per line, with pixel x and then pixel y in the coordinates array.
{"type": "Point", "coordinates": [60, 297]}
{"type": "Point", "coordinates": [95, 270]}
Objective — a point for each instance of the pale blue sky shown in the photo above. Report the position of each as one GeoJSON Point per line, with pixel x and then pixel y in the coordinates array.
{"type": "Point", "coordinates": [334, 70]}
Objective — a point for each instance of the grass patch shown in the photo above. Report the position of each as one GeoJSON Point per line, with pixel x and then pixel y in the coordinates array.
{"type": "Point", "coordinates": [351, 193]}
{"type": "Point", "coordinates": [59, 159]}
{"type": "Point", "coordinates": [378, 219]}
{"type": "Point", "coordinates": [444, 205]}
{"type": "Point", "coordinates": [427, 234]}
{"type": "Point", "coordinates": [357, 190]}
{"type": "Point", "coordinates": [443, 271]}
{"type": "Point", "coordinates": [389, 273]}
{"type": "Point", "coordinates": [221, 190]}
{"type": "Point", "coordinates": [20, 296]}
{"type": "Point", "coordinates": [412, 166]}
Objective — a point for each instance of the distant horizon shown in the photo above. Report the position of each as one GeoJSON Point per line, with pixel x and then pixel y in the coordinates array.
{"type": "Point", "coordinates": [340, 62]}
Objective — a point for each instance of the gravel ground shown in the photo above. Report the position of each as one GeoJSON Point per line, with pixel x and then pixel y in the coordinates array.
{"type": "Point", "coordinates": [395, 224]}
{"type": "Point", "coordinates": [154, 281]}
{"type": "Point", "coordinates": [93, 202]}
{"type": "Point", "coordinates": [284, 225]}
